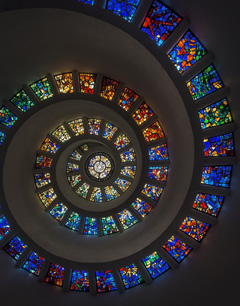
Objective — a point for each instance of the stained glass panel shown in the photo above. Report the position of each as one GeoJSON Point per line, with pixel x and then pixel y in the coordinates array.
{"type": "Point", "coordinates": [64, 82]}
{"type": "Point", "coordinates": [111, 193]}
{"type": "Point", "coordinates": [15, 247]}
{"type": "Point", "coordinates": [123, 8]}
{"type": "Point", "coordinates": [158, 173]}
{"type": "Point", "coordinates": [43, 162]}
{"type": "Point", "coordinates": [4, 227]}
{"type": "Point", "coordinates": [105, 281]}
{"type": "Point", "coordinates": [87, 1]}
{"type": "Point", "coordinates": [160, 22]}
{"type": "Point", "coordinates": [194, 228]}
{"type": "Point", "coordinates": [121, 141]}
{"type": "Point", "coordinates": [221, 145]}
{"type": "Point", "coordinates": [109, 88]}
{"type": "Point", "coordinates": [155, 265]}
{"type": "Point", "coordinates": [218, 176]}
{"type": "Point", "coordinates": [84, 148]}
{"type": "Point", "coordinates": [159, 152]}
{"type": "Point", "coordinates": [55, 275]}
{"type": "Point", "coordinates": [204, 83]}
{"type": "Point", "coordinates": [94, 126]}
{"type": "Point", "coordinates": [215, 114]}
{"type": "Point", "coordinates": [47, 197]}
{"type": "Point", "coordinates": [77, 126]}
{"type": "Point", "coordinates": [2, 137]}
{"type": "Point", "coordinates": [128, 98]}
{"type": "Point", "coordinates": [58, 212]}
{"type": "Point", "coordinates": [72, 167]}
{"type": "Point", "coordinates": [90, 226]}
{"type": "Point", "coordinates": [74, 179]}
{"type": "Point", "coordinates": [128, 156]}
{"type": "Point", "coordinates": [187, 52]}
{"type": "Point", "coordinates": [76, 155]}
{"type": "Point", "coordinates": [79, 281]}
{"type": "Point", "coordinates": [142, 207]}
{"type": "Point", "coordinates": [130, 276]}
{"type": "Point", "coordinates": [129, 171]}
{"type": "Point", "coordinates": [22, 101]}
{"type": "Point", "coordinates": [34, 263]}
{"type": "Point", "coordinates": [142, 114]}
{"type": "Point", "coordinates": [82, 191]}
{"type": "Point", "coordinates": [126, 218]}
{"type": "Point", "coordinates": [109, 131]}
{"type": "Point", "coordinates": [42, 89]}
{"type": "Point", "coordinates": [122, 184]}
{"type": "Point", "coordinates": [73, 221]}
{"type": "Point", "coordinates": [109, 226]}
{"type": "Point", "coordinates": [208, 203]}
{"type": "Point", "coordinates": [42, 179]}
{"type": "Point", "coordinates": [61, 134]}
{"type": "Point", "coordinates": [153, 132]}
{"type": "Point", "coordinates": [87, 82]}
{"type": "Point", "coordinates": [96, 195]}
{"type": "Point", "coordinates": [177, 249]}
{"type": "Point", "coordinates": [49, 146]}
{"type": "Point", "coordinates": [7, 118]}
{"type": "Point", "coordinates": [153, 192]}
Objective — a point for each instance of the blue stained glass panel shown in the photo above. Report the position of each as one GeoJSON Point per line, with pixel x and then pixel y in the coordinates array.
{"type": "Point", "coordinates": [123, 8]}
{"type": "Point", "coordinates": [158, 153]}
{"type": "Point", "coordinates": [73, 221]}
{"type": "Point", "coordinates": [177, 249]}
{"type": "Point", "coordinates": [2, 137]}
{"type": "Point", "coordinates": [126, 218]}
{"type": "Point", "coordinates": [15, 247]}
{"type": "Point", "coordinates": [142, 207]}
{"type": "Point", "coordinates": [155, 265]}
{"type": "Point", "coordinates": [105, 281]}
{"type": "Point", "coordinates": [79, 281]}
{"type": "Point", "coordinates": [34, 263]}
{"type": "Point", "coordinates": [208, 203]}
{"type": "Point", "coordinates": [90, 226]}
{"type": "Point", "coordinates": [221, 145]}
{"type": "Point", "coordinates": [218, 176]}
{"type": "Point", "coordinates": [7, 118]}
{"type": "Point", "coordinates": [4, 227]}
{"type": "Point", "coordinates": [130, 276]}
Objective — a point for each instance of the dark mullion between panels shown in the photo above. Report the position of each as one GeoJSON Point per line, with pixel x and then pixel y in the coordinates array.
{"type": "Point", "coordinates": [148, 122]}
{"type": "Point", "coordinates": [219, 130]}
{"type": "Point", "coordinates": [141, 12]}
{"type": "Point", "coordinates": [126, 164]}
{"type": "Point", "coordinates": [98, 84]}
{"type": "Point", "coordinates": [212, 98]}
{"type": "Point", "coordinates": [135, 106]}
{"type": "Point", "coordinates": [148, 200]}
{"type": "Point", "coordinates": [119, 190]}
{"type": "Point", "coordinates": [220, 160]}
{"type": "Point", "coordinates": [143, 272]}
{"type": "Point", "coordinates": [99, 227]}
{"type": "Point", "coordinates": [194, 244]}
{"type": "Point", "coordinates": [118, 281]}
{"type": "Point", "coordinates": [74, 161]}
{"type": "Point", "coordinates": [67, 279]}
{"type": "Point", "coordinates": [74, 188]}
{"type": "Point", "coordinates": [65, 218]}
{"type": "Point", "coordinates": [118, 223]}
{"type": "Point", "coordinates": [52, 83]}
{"type": "Point", "coordinates": [76, 81]}
{"type": "Point", "coordinates": [92, 283]}
{"type": "Point", "coordinates": [41, 170]}
{"type": "Point", "coordinates": [135, 213]}
{"type": "Point", "coordinates": [5, 129]}
{"type": "Point", "coordinates": [167, 257]}
{"type": "Point", "coordinates": [13, 108]}
{"type": "Point", "coordinates": [43, 188]}
{"type": "Point", "coordinates": [214, 190]}
{"type": "Point", "coordinates": [118, 93]}
{"type": "Point", "coordinates": [81, 225]}
{"type": "Point", "coordinates": [51, 205]}
{"type": "Point", "coordinates": [68, 129]}
{"type": "Point", "coordinates": [127, 178]}
{"type": "Point", "coordinates": [31, 94]}
{"type": "Point", "coordinates": [46, 153]}
{"type": "Point", "coordinates": [156, 183]}
{"type": "Point", "coordinates": [90, 189]}
{"type": "Point", "coordinates": [160, 163]}
{"type": "Point", "coordinates": [26, 253]}
{"type": "Point", "coordinates": [103, 194]}
{"type": "Point", "coordinates": [7, 238]}
{"type": "Point", "coordinates": [102, 126]}
{"type": "Point", "coordinates": [85, 126]}
{"type": "Point", "coordinates": [157, 142]}
{"type": "Point", "coordinates": [115, 135]}
{"type": "Point", "coordinates": [54, 139]}
{"type": "Point", "coordinates": [126, 148]}
{"type": "Point", "coordinates": [201, 216]}
{"type": "Point", "coordinates": [44, 270]}
{"type": "Point", "coordinates": [100, 3]}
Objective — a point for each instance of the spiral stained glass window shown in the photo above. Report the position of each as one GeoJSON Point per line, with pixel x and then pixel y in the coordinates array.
{"type": "Point", "coordinates": [221, 145]}
{"type": "Point", "coordinates": [158, 173]}
{"type": "Point", "coordinates": [7, 118]}
{"type": "Point", "coordinates": [87, 82]}
{"type": "Point", "coordinates": [46, 197]}
{"type": "Point", "coordinates": [128, 156]}
{"type": "Point", "coordinates": [111, 193]}
{"type": "Point", "coordinates": [127, 99]}
{"type": "Point", "coordinates": [109, 131]}
{"type": "Point", "coordinates": [187, 52]}
{"type": "Point", "coordinates": [142, 207]}
{"type": "Point", "coordinates": [74, 179]}
{"type": "Point", "coordinates": [177, 249]}
{"type": "Point", "coordinates": [73, 221]}
{"type": "Point", "coordinates": [22, 101]}
{"type": "Point", "coordinates": [129, 171]}
{"type": "Point", "coordinates": [142, 114]}
{"type": "Point", "coordinates": [76, 155]}
{"type": "Point", "coordinates": [130, 276]}
{"type": "Point", "coordinates": [208, 203]}
{"type": "Point", "coordinates": [61, 134]}
{"type": "Point", "coordinates": [99, 166]}
{"type": "Point", "coordinates": [90, 226]}
{"type": "Point", "coordinates": [109, 226]}
{"type": "Point", "coordinates": [121, 141]}
{"type": "Point", "coordinates": [77, 126]}
{"type": "Point", "coordinates": [49, 146]}
{"type": "Point", "coordinates": [42, 179]}
{"type": "Point", "coordinates": [43, 161]}
{"type": "Point", "coordinates": [109, 88]}
{"type": "Point", "coordinates": [215, 114]}
{"type": "Point", "coordinates": [152, 192]}
{"type": "Point", "coordinates": [55, 275]}
{"type": "Point", "coordinates": [218, 176]}
{"type": "Point", "coordinates": [72, 167]}
{"type": "Point", "coordinates": [64, 82]}
{"type": "Point", "coordinates": [58, 212]}
{"type": "Point", "coordinates": [4, 227]}
{"type": "Point", "coordinates": [122, 184]}
{"type": "Point", "coordinates": [82, 191]}
{"type": "Point", "coordinates": [15, 247]}
{"type": "Point", "coordinates": [42, 89]}
{"type": "Point", "coordinates": [2, 137]}
{"type": "Point", "coordinates": [160, 22]}
{"type": "Point", "coordinates": [153, 132]}
{"type": "Point", "coordinates": [105, 281]}
{"type": "Point", "coordinates": [96, 195]}
{"type": "Point", "coordinates": [34, 263]}
{"type": "Point", "coordinates": [79, 281]}
{"type": "Point", "coordinates": [194, 228]}
{"type": "Point", "coordinates": [204, 83]}
{"type": "Point", "coordinates": [158, 152]}
{"type": "Point", "coordinates": [127, 219]}
{"type": "Point", "coordinates": [123, 8]}
{"type": "Point", "coordinates": [94, 126]}
{"type": "Point", "coordinates": [155, 265]}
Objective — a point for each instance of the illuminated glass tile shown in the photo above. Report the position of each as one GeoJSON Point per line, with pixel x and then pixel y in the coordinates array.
{"type": "Point", "coordinates": [72, 167]}
{"type": "Point", "coordinates": [99, 166]}
{"type": "Point", "coordinates": [49, 146]}
{"type": "Point", "coordinates": [42, 89]}
{"type": "Point", "coordinates": [160, 22]}
{"type": "Point", "coordinates": [121, 141]}
{"type": "Point", "coordinates": [142, 207]}
{"type": "Point", "coordinates": [142, 114]}
{"type": "Point", "coordinates": [153, 132]}
{"type": "Point", "coordinates": [130, 276]}
{"type": "Point", "coordinates": [159, 152]}
{"type": "Point", "coordinates": [221, 145]}
{"type": "Point", "coordinates": [177, 249]}
{"type": "Point", "coordinates": [79, 281]}
{"type": "Point", "coordinates": [61, 134]}
{"type": "Point", "coordinates": [204, 83]}
{"type": "Point", "coordinates": [84, 148]}
{"type": "Point", "coordinates": [7, 118]}
{"type": "Point", "coordinates": [58, 212]}
{"type": "Point", "coordinates": [94, 126]}
{"type": "Point", "coordinates": [127, 219]}
{"type": "Point", "coordinates": [109, 131]}
{"type": "Point", "coordinates": [42, 179]}
{"type": "Point", "coordinates": [82, 191]}
{"type": "Point", "coordinates": [15, 247]}
{"type": "Point", "coordinates": [90, 226]}
{"type": "Point", "coordinates": [96, 195]}
{"type": "Point", "coordinates": [73, 221]}
{"type": "Point", "coordinates": [128, 156]}
{"type": "Point", "coordinates": [187, 52]}
{"type": "Point", "coordinates": [74, 179]}
{"type": "Point", "coordinates": [43, 162]}
{"type": "Point", "coordinates": [208, 203]}
{"type": "Point", "coordinates": [109, 88]}
{"type": "Point", "coordinates": [129, 171]}
{"type": "Point", "coordinates": [122, 184]}
{"type": "Point", "coordinates": [22, 101]}
{"type": "Point", "coordinates": [55, 275]}
{"type": "Point", "coordinates": [128, 98]}
{"type": "Point", "coordinates": [77, 126]}
{"type": "Point", "coordinates": [123, 8]}
{"type": "Point", "coordinates": [2, 137]}
{"type": "Point", "coordinates": [155, 265]}
{"type": "Point", "coordinates": [4, 227]}
{"type": "Point", "coordinates": [76, 155]}
{"type": "Point", "coordinates": [34, 263]}
{"type": "Point", "coordinates": [87, 82]}
{"type": "Point", "coordinates": [109, 226]}
{"type": "Point", "coordinates": [218, 176]}
{"type": "Point", "coordinates": [47, 197]}
{"type": "Point", "coordinates": [158, 173]}
{"type": "Point", "coordinates": [87, 1]}
{"type": "Point", "coordinates": [194, 228]}
{"type": "Point", "coordinates": [111, 193]}
{"type": "Point", "coordinates": [64, 82]}
{"type": "Point", "coordinates": [153, 192]}
{"type": "Point", "coordinates": [215, 114]}
{"type": "Point", "coordinates": [105, 281]}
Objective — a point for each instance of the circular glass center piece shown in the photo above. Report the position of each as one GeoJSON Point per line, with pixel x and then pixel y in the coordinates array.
{"type": "Point", "coordinates": [99, 166]}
